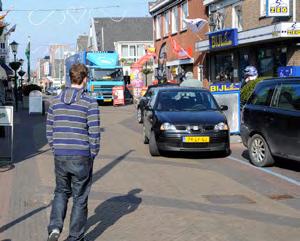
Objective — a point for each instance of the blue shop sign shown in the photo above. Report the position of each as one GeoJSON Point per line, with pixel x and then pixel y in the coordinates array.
{"type": "Point", "coordinates": [223, 39]}
{"type": "Point", "coordinates": [289, 71]}
{"type": "Point", "coordinates": [227, 87]}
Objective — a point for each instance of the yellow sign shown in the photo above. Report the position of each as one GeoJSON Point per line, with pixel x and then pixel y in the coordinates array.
{"type": "Point", "coordinates": [196, 139]}
{"type": "Point", "coordinates": [224, 87]}
{"type": "Point", "coordinates": [293, 32]}
{"type": "Point", "coordinates": [278, 10]}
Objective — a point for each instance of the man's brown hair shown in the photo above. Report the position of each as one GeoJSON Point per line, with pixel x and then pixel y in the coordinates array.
{"type": "Point", "coordinates": [77, 73]}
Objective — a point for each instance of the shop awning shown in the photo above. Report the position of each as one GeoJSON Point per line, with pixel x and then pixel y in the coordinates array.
{"type": "Point", "coordinates": [270, 32]}
{"type": "Point", "coordinates": [3, 74]}
{"type": "Point", "coordinates": [7, 69]}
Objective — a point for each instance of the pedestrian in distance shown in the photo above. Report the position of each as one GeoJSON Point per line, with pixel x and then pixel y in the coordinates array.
{"type": "Point", "coordinates": [73, 133]}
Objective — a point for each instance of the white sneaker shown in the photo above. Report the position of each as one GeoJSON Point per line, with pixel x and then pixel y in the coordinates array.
{"type": "Point", "coordinates": [54, 235]}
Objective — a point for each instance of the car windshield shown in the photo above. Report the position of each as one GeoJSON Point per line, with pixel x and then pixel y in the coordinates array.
{"type": "Point", "coordinates": [107, 74]}
{"type": "Point", "coordinates": [185, 100]}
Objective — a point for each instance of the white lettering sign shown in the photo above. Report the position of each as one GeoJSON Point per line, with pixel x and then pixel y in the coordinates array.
{"type": "Point", "coordinates": [6, 115]}
{"type": "Point", "coordinates": [278, 8]}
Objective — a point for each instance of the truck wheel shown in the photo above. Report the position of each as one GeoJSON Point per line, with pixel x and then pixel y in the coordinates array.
{"type": "Point", "coordinates": [259, 152]}
{"type": "Point", "coordinates": [153, 148]}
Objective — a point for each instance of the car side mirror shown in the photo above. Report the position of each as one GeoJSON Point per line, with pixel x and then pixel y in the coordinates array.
{"type": "Point", "coordinates": [224, 107]}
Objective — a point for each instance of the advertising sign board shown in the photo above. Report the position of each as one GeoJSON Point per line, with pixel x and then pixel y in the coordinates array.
{"type": "Point", "coordinates": [223, 39]}
{"type": "Point", "coordinates": [118, 95]}
{"type": "Point", "coordinates": [277, 8]}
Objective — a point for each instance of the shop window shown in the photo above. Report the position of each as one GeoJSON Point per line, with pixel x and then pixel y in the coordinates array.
{"type": "Point", "coordinates": [175, 20]}
{"type": "Point", "coordinates": [184, 14]}
{"type": "Point", "coordinates": [263, 8]}
{"type": "Point", "coordinates": [237, 17]}
{"type": "Point", "coordinates": [167, 22]}
{"type": "Point", "coordinates": [224, 68]}
{"type": "Point", "coordinates": [158, 27]}
{"type": "Point", "coordinates": [124, 51]}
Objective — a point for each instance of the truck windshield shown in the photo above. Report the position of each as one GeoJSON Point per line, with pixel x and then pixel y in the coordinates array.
{"type": "Point", "coordinates": [107, 74]}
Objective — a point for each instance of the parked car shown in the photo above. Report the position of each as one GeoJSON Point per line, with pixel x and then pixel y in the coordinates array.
{"type": "Point", "coordinates": [271, 121]}
{"type": "Point", "coordinates": [185, 119]}
{"type": "Point", "coordinates": [151, 91]}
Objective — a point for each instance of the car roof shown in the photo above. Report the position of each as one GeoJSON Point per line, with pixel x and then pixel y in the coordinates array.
{"type": "Point", "coordinates": [162, 85]}
{"type": "Point", "coordinates": [179, 88]}
{"type": "Point", "coordinates": [280, 80]}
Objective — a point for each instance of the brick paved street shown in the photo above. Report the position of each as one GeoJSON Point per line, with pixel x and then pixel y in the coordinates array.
{"type": "Point", "coordinates": [137, 197]}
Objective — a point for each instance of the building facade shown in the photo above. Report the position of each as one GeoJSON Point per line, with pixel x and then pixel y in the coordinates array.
{"type": "Point", "coordinates": [129, 37]}
{"type": "Point", "coordinates": [171, 29]}
{"type": "Point", "coordinates": [244, 32]}
{"type": "Point", "coordinates": [57, 62]}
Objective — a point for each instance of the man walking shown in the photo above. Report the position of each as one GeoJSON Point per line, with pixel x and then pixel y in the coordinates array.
{"type": "Point", "coordinates": [73, 133]}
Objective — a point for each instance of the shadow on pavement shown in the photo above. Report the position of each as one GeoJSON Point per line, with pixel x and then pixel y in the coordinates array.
{"type": "Point", "coordinates": [282, 163]}
{"type": "Point", "coordinates": [99, 174]}
{"type": "Point", "coordinates": [30, 135]}
{"type": "Point", "coordinates": [22, 218]}
{"type": "Point", "coordinates": [110, 211]}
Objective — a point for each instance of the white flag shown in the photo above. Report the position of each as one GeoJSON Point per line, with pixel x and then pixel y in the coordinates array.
{"type": "Point", "coordinates": [195, 24]}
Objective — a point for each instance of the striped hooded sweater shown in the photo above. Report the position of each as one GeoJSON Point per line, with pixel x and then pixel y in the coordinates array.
{"type": "Point", "coordinates": [73, 124]}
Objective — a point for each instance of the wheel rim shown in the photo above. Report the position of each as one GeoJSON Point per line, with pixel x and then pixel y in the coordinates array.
{"type": "Point", "coordinates": [139, 115]}
{"type": "Point", "coordinates": [258, 150]}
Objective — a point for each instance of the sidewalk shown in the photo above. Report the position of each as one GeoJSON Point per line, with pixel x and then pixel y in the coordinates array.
{"type": "Point", "coordinates": [20, 186]}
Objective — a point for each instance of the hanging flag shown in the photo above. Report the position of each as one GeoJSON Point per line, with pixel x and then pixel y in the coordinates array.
{"type": "Point", "coordinates": [2, 27]}
{"type": "Point", "coordinates": [11, 30]}
{"type": "Point", "coordinates": [4, 15]}
{"type": "Point", "coordinates": [195, 24]}
{"type": "Point", "coordinates": [27, 53]}
{"type": "Point", "coordinates": [180, 51]}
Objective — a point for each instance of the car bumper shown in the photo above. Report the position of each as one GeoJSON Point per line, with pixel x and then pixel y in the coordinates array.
{"type": "Point", "coordinates": [174, 142]}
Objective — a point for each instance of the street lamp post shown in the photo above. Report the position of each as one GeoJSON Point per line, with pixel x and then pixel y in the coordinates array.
{"type": "Point", "coordinates": [15, 66]}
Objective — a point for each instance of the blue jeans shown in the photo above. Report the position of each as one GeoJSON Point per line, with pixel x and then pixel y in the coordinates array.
{"type": "Point", "coordinates": [73, 178]}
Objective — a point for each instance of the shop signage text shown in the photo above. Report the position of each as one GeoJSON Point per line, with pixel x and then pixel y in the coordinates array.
{"type": "Point", "coordinates": [277, 8]}
{"type": "Point", "coordinates": [223, 39]}
{"type": "Point", "coordinates": [225, 87]}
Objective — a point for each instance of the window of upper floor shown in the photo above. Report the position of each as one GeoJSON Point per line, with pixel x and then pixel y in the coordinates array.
{"type": "Point", "coordinates": [263, 8]}
{"type": "Point", "coordinates": [184, 14]}
{"type": "Point", "coordinates": [237, 16]}
{"type": "Point", "coordinates": [166, 23]}
{"type": "Point", "coordinates": [132, 51]}
{"type": "Point", "coordinates": [2, 45]}
{"type": "Point", "coordinates": [158, 27]}
{"type": "Point", "coordinates": [175, 20]}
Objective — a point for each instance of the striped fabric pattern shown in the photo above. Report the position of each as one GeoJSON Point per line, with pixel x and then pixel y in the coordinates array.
{"type": "Point", "coordinates": [73, 124]}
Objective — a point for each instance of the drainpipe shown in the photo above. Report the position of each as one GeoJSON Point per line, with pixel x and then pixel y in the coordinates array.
{"type": "Point", "coordinates": [294, 11]}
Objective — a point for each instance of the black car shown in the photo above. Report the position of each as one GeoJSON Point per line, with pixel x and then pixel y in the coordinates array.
{"type": "Point", "coordinates": [271, 121]}
{"type": "Point", "coordinates": [185, 119]}
{"type": "Point", "coordinates": [151, 91]}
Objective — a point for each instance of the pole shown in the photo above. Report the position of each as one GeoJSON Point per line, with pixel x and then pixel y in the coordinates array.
{"type": "Point", "coordinates": [294, 11]}
{"type": "Point", "coordinates": [16, 86]}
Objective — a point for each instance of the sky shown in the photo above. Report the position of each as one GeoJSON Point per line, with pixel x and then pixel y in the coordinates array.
{"type": "Point", "coordinates": [62, 27]}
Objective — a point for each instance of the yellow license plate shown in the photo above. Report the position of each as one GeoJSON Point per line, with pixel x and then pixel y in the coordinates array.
{"type": "Point", "coordinates": [107, 100]}
{"type": "Point", "coordinates": [196, 139]}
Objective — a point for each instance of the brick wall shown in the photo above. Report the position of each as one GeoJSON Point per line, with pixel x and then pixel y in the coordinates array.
{"type": "Point", "coordinates": [293, 56]}
{"type": "Point", "coordinates": [186, 38]}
